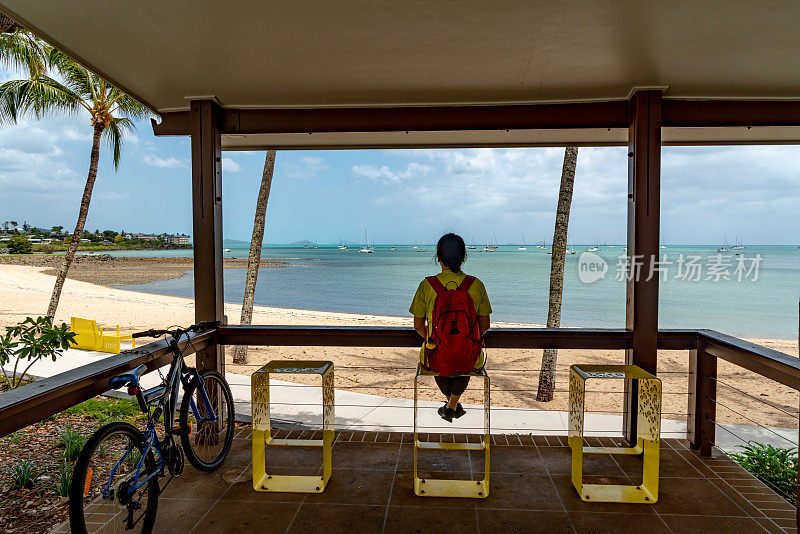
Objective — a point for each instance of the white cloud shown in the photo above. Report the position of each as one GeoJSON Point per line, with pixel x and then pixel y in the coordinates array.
{"type": "Point", "coordinates": [386, 175]}
{"type": "Point", "coordinates": [308, 167]}
{"type": "Point", "coordinates": [164, 163]}
{"type": "Point", "coordinates": [229, 165]}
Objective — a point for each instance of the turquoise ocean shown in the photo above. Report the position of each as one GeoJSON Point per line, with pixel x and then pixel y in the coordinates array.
{"type": "Point", "coordinates": [517, 281]}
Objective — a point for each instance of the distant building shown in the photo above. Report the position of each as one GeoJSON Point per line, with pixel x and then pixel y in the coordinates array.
{"type": "Point", "coordinates": [146, 237]}
{"type": "Point", "coordinates": [177, 239]}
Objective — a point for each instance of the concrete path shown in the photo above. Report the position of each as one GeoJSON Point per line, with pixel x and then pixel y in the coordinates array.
{"type": "Point", "coordinates": [301, 404]}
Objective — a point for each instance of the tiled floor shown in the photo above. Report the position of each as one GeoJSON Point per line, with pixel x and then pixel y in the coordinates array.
{"type": "Point", "coordinates": [371, 491]}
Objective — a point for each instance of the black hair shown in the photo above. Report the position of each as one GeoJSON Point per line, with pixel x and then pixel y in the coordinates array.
{"type": "Point", "coordinates": [451, 251]}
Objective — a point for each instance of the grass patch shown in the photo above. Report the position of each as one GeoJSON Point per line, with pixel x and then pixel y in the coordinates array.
{"type": "Point", "coordinates": [23, 474]}
{"type": "Point", "coordinates": [64, 480]}
{"type": "Point", "coordinates": [774, 466]}
{"type": "Point", "coordinates": [72, 441]}
{"type": "Point", "coordinates": [108, 409]}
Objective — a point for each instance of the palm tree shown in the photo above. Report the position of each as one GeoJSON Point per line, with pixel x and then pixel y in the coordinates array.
{"type": "Point", "coordinates": [253, 262]}
{"type": "Point", "coordinates": [547, 373]}
{"type": "Point", "coordinates": [71, 90]}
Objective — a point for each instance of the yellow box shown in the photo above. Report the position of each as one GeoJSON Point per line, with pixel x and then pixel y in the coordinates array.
{"type": "Point", "coordinates": [476, 489]}
{"type": "Point", "coordinates": [648, 433]}
{"type": "Point", "coordinates": [259, 388]}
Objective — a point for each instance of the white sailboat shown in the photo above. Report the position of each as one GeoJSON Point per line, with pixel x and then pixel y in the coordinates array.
{"type": "Point", "coordinates": [394, 247]}
{"type": "Point", "coordinates": [366, 249]}
{"type": "Point", "coordinates": [523, 247]}
{"type": "Point", "coordinates": [724, 247]}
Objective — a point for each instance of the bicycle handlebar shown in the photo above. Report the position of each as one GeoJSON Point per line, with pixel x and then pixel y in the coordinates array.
{"type": "Point", "coordinates": [199, 327]}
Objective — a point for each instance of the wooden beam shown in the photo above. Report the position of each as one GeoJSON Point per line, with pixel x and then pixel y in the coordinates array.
{"type": "Point", "coordinates": [613, 114]}
{"type": "Point", "coordinates": [721, 113]}
{"type": "Point", "coordinates": [207, 223]}
{"type": "Point", "coordinates": [644, 185]}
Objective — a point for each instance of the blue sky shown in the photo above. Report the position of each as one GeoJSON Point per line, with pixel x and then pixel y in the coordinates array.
{"type": "Point", "coordinates": [404, 196]}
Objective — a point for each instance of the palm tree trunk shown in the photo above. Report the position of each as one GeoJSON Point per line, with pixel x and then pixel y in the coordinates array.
{"type": "Point", "coordinates": [253, 262]}
{"type": "Point", "coordinates": [547, 374]}
{"type": "Point", "coordinates": [82, 213]}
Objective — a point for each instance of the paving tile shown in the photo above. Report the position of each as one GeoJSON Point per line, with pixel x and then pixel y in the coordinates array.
{"type": "Point", "coordinates": [769, 526]}
{"type": "Point", "coordinates": [509, 460]}
{"type": "Point", "coordinates": [323, 518]}
{"type": "Point", "coordinates": [365, 455]}
{"type": "Point", "coordinates": [523, 491]}
{"type": "Point", "coordinates": [689, 524]}
{"type": "Point", "coordinates": [428, 518]}
{"type": "Point", "coordinates": [596, 523]}
{"type": "Point", "coordinates": [523, 522]}
{"type": "Point", "coordinates": [179, 516]}
{"type": "Point", "coordinates": [558, 461]}
{"type": "Point", "coordinates": [236, 517]}
{"type": "Point", "coordinates": [693, 496]}
{"type": "Point", "coordinates": [200, 485]}
{"type": "Point", "coordinates": [350, 486]}
{"type": "Point", "coordinates": [436, 462]}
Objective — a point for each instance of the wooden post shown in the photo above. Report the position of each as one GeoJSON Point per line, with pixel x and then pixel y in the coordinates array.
{"type": "Point", "coordinates": [644, 185]}
{"type": "Point", "coordinates": [207, 223]}
{"type": "Point", "coordinates": [700, 426]}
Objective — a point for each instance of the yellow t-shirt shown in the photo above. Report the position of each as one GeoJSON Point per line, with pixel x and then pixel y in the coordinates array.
{"type": "Point", "coordinates": [422, 305]}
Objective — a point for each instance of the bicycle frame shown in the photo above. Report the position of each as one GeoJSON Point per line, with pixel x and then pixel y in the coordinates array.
{"type": "Point", "coordinates": [179, 374]}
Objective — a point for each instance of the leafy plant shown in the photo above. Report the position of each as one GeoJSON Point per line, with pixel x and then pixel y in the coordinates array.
{"type": "Point", "coordinates": [30, 341]}
{"type": "Point", "coordinates": [774, 466]}
{"type": "Point", "coordinates": [20, 245]}
{"type": "Point", "coordinates": [23, 474]}
{"type": "Point", "coordinates": [64, 480]}
{"type": "Point", "coordinates": [72, 441]}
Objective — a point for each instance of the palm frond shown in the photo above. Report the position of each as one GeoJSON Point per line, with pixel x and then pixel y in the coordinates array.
{"type": "Point", "coordinates": [75, 75]}
{"type": "Point", "coordinates": [22, 51]}
{"type": "Point", "coordinates": [126, 105]}
{"type": "Point", "coordinates": [114, 134]}
{"type": "Point", "coordinates": [36, 96]}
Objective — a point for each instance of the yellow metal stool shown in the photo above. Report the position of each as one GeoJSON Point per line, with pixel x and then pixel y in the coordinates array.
{"type": "Point", "coordinates": [262, 481]}
{"type": "Point", "coordinates": [648, 433]}
{"type": "Point", "coordinates": [426, 487]}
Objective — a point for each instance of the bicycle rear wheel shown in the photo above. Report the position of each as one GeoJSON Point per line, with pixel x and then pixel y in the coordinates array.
{"type": "Point", "coordinates": [99, 498]}
{"type": "Point", "coordinates": [205, 442]}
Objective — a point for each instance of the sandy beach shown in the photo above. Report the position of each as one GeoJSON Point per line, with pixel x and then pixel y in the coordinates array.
{"type": "Point", "coordinates": [25, 291]}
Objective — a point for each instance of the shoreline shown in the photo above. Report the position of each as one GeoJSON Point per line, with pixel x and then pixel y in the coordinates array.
{"type": "Point", "coordinates": [390, 371]}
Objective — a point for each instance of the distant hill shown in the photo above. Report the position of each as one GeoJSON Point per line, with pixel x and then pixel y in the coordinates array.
{"type": "Point", "coordinates": [304, 242]}
{"type": "Point", "coordinates": [235, 243]}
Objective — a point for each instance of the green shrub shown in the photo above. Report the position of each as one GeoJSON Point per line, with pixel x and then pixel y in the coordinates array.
{"type": "Point", "coordinates": [72, 441]}
{"type": "Point", "coordinates": [23, 474]}
{"type": "Point", "coordinates": [64, 480]}
{"type": "Point", "coordinates": [19, 244]}
{"type": "Point", "coordinates": [775, 466]}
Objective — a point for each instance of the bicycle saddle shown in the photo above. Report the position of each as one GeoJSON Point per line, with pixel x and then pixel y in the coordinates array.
{"type": "Point", "coordinates": [130, 379]}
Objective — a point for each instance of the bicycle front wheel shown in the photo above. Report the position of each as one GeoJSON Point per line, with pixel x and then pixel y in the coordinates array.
{"type": "Point", "coordinates": [103, 495]}
{"type": "Point", "coordinates": [206, 440]}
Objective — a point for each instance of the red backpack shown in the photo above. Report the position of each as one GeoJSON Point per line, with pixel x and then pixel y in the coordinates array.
{"type": "Point", "coordinates": [455, 330]}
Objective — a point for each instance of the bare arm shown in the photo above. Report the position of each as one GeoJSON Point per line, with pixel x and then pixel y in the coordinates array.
{"type": "Point", "coordinates": [483, 323]}
{"type": "Point", "coordinates": [419, 326]}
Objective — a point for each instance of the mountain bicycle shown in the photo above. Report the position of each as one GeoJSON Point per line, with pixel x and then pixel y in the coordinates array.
{"type": "Point", "coordinates": [116, 480]}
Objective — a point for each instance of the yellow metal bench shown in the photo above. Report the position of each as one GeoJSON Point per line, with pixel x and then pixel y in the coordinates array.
{"type": "Point", "coordinates": [90, 336]}
{"type": "Point", "coordinates": [477, 489]}
{"type": "Point", "coordinates": [648, 433]}
{"type": "Point", "coordinates": [262, 481]}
